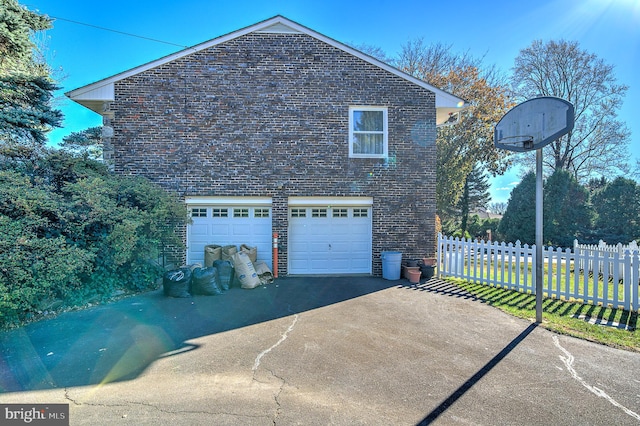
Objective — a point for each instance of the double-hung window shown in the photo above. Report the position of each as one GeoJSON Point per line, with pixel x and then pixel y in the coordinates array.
{"type": "Point", "coordinates": [368, 132]}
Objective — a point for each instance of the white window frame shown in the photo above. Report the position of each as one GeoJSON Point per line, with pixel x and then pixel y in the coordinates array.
{"type": "Point", "coordinates": [385, 131]}
{"type": "Point", "coordinates": [198, 212]}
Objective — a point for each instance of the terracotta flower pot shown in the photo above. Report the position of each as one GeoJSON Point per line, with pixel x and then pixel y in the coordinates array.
{"type": "Point", "coordinates": [406, 269]}
{"type": "Point", "coordinates": [429, 261]}
{"type": "Point", "coordinates": [414, 276]}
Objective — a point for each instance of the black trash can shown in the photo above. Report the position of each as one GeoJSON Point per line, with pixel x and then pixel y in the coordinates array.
{"type": "Point", "coordinates": [428, 271]}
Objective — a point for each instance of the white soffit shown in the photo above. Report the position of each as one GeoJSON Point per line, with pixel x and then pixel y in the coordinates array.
{"type": "Point", "coordinates": [94, 96]}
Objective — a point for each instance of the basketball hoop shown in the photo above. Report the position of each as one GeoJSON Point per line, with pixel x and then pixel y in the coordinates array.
{"type": "Point", "coordinates": [530, 126]}
{"type": "Point", "coordinates": [533, 124]}
{"type": "Point", "coordinates": [516, 143]}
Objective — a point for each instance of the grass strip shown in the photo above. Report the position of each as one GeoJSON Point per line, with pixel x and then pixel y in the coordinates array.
{"type": "Point", "coordinates": [615, 327]}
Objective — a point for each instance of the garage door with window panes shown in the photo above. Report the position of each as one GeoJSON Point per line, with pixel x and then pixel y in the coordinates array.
{"type": "Point", "coordinates": [224, 225]}
{"type": "Point", "coordinates": [330, 240]}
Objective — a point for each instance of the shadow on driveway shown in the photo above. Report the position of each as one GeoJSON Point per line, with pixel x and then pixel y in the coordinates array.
{"type": "Point", "coordinates": [119, 341]}
{"type": "Point", "coordinates": [464, 388]}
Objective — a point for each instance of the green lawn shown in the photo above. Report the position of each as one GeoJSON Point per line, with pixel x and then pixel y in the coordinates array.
{"type": "Point", "coordinates": [561, 282]}
{"type": "Point", "coordinates": [561, 316]}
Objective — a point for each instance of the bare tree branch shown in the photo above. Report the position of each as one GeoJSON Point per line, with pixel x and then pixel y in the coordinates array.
{"type": "Point", "coordinates": [598, 144]}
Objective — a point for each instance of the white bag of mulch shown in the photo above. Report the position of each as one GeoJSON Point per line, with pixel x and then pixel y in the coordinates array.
{"type": "Point", "coordinates": [264, 273]}
{"type": "Point", "coordinates": [245, 271]}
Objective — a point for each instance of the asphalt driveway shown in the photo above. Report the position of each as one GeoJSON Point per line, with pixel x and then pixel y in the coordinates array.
{"type": "Point", "coordinates": [307, 351]}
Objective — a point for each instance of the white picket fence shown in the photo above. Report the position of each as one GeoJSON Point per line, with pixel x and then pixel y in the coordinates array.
{"type": "Point", "coordinates": [604, 251]}
{"type": "Point", "coordinates": [611, 278]}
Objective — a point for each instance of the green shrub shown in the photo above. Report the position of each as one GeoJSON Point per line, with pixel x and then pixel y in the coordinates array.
{"type": "Point", "coordinates": [71, 232]}
{"type": "Point", "coordinates": [125, 221]}
{"type": "Point", "coordinates": [36, 261]}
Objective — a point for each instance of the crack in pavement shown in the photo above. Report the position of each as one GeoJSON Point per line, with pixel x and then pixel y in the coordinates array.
{"type": "Point", "coordinates": [283, 382]}
{"type": "Point", "coordinates": [568, 361]}
{"type": "Point", "coordinates": [256, 363]}
{"type": "Point", "coordinates": [68, 397]}
{"type": "Point", "coordinates": [159, 409]}
{"type": "Point", "coordinates": [276, 397]}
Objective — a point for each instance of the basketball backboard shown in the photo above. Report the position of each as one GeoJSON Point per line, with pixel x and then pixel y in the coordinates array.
{"type": "Point", "coordinates": [534, 124]}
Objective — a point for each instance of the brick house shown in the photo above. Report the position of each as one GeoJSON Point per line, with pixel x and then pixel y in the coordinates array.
{"type": "Point", "coordinates": [276, 128]}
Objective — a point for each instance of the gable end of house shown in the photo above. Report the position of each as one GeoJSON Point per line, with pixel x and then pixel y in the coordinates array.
{"type": "Point", "coordinates": [97, 96]}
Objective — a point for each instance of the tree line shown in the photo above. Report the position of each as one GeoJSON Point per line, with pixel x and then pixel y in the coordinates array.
{"type": "Point", "coordinates": [601, 210]}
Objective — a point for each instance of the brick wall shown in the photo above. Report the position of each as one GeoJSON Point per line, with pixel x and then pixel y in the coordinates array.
{"type": "Point", "coordinates": [267, 115]}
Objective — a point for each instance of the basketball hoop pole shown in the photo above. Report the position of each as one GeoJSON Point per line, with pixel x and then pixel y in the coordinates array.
{"type": "Point", "coordinates": [539, 235]}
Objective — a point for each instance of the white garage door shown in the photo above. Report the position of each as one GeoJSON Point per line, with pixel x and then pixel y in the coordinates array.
{"type": "Point", "coordinates": [330, 239]}
{"type": "Point", "coordinates": [232, 222]}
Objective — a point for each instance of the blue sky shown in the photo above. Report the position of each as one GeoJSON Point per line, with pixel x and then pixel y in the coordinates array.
{"type": "Point", "coordinates": [497, 30]}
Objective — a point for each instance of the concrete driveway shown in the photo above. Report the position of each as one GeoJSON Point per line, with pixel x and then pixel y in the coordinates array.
{"type": "Point", "coordinates": [315, 351]}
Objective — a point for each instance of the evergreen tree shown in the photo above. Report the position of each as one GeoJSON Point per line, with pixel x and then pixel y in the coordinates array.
{"type": "Point", "coordinates": [519, 220]}
{"type": "Point", "coordinates": [567, 212]}
{"type": "Point", "coordinates": [26, 88]}
{"type": "Point", "coordinates": [475, 195]}
{"type": "Point", "coordinates": [617, 208]}
{"type": "Point", "coordinates": [596, 184]}
{"type": "Point", "coordinates": [478, 228]}
{"type": "Point", "coordinates": [87, 142]}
